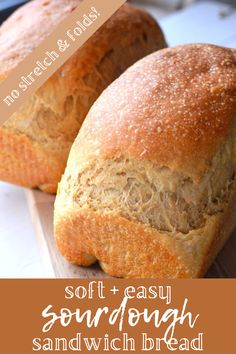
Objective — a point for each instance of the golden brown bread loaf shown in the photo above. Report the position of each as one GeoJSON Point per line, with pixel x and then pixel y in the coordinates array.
{"type": "Point", "coordinates": [149, 189]}
{"type": "Point", "coordinates": [35, 142]}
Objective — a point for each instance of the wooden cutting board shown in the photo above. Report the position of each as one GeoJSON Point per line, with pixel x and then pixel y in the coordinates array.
{"type": "Point", "coordinates": [203, 22]}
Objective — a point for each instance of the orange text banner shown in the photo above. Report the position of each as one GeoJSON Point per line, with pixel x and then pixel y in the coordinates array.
{"type": "Point", "coordinates": [106, 316]}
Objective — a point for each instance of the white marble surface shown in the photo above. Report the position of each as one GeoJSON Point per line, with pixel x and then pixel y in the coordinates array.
{"type": "Point", "coordinates": [19, 253]}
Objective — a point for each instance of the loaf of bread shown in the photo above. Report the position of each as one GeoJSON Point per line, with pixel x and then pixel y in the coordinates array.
{"type": "Point", "coordinates": [149, 189]}
{"type": "Point", "coordinates": [35, 141]}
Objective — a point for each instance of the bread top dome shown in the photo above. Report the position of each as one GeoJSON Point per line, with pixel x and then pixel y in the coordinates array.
{"type": "Point", "coordinates": [29, 25]}
{"type": "Point", "coordinates": [174, 108]}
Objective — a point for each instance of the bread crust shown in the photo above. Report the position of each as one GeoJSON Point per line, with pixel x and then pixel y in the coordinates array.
{"type": "Point", "coordinates": [133, 250]}
{"type": "Point", "coordinates": [182, 97]}
{"type": "Point", "coordinates": [42, 170]}
{"type": "Point", "coordinates": [51, 118]}
{"type": "Point", "coordinates": [153, 127]}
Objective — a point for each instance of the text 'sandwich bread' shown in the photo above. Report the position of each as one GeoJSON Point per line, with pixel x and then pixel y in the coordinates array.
{"type": "Point", "coordinates": [35, 141]}
{"type": "Point", "coordinates": [149, 189]}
